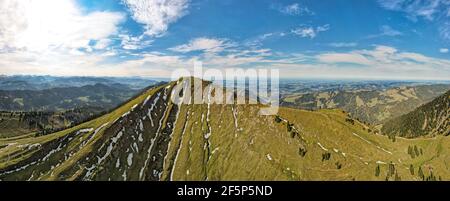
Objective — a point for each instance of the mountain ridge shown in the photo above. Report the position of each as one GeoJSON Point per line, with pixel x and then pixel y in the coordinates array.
{"type": "Point", "coordinates": [150, 138]}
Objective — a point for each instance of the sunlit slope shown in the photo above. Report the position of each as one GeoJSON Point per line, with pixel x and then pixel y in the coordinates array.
{"type": "Point", "coordinates": [149, 138]}
{"type": "Point", "coordinates": [262, 149]}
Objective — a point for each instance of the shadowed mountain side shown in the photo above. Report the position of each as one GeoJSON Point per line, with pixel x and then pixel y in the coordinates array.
{"type": "Point", "coordinates": [432, 118]}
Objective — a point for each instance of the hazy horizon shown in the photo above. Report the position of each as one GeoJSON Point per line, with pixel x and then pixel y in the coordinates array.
{"type": "Point", "coordinates": [281, 78]}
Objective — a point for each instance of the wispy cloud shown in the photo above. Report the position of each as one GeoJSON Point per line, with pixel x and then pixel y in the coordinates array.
{"type": "Point", "coordinates": [260, 39]}
{"type": "Point", "coordinates": [210, 45]}
{"type": "Point", "coordinates": [156, 15]}
{"type": "Point", "coordinates": [343, 58]}
{"type": "Point", "coordinates": [102, 44]}
{"type": "Point", "coordinates": [383, 55]}
{"type": "Point", "coordinates": [379, 62]}
{"type": "Point", "coordinates": [134, 42]}
{"type": "Point", "coordinates": [342, 44]}
{"type": "Point", "coordinates": [386, 30]}
{"type": "Point", "coordinates": [382, 62]}
{"type": "Point", "coordinates": [443, 50]}
{"type": "Point", "coordinates": [310, 32]}
{"type": "Point", "coordinates": [293, 9]}
{"type": "Point", "coordinates": [444, 31]}
{"type": "Point", "coordinates": [430, 10]}
{"type": "Point", "coordinates": [389, 31]}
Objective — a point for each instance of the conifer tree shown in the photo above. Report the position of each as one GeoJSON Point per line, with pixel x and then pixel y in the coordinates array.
{"type": "Point", "coordinates": [420, 173]}
{"type": "Point", "coordinates": [416, 151]}
{"type": "Point", "coordinates": [377, 171]}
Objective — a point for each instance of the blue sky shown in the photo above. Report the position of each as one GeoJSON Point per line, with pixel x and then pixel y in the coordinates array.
{"type": "Point", "coordinates": [378, 39]}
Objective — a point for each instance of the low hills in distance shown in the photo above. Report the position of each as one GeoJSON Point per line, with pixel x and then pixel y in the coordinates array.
{"type": "Point", "coordinates": [370, 103]}
{"type": "Point", "coordinates": [60, 99]}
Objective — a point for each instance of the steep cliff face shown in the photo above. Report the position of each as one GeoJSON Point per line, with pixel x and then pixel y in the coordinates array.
{"type": "Point", "coordinates": [137, 142]}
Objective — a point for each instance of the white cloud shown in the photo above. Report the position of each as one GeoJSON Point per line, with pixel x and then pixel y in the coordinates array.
{"type": "Point", "coordinates": [444, 31]}
{"type": "Point", "coordinates": [42, 25]}
{"type": "Point", "coordinates": [343, 58]}
{"type": "Point", "coordinates": [305, 32]}
{"type": "Point", "coordinates": [134, 42]}
{"type": "Point", "coordinates": [293, 9]}
{"type": "Point", "coordinates": [51, 63]}
{"type": "Point", "coordinates": [310, 32]}
{"type": "Point", "coordinates": [386, 30]}
{"type": "Point", "coordinates": [210, 45]}
{"type": "Point", "coordinates": [323, 28]}
{"type": "Point", "coordinates": [428, 9]}
{"type": "Point", "coordinates": [342, 44]}
{"type": "Point", "coordinates": [260, 39]}
{"type": "Point", "coordinates": [383, 54]}
{"type": "Point", "coordinates": [267, 35]}
{"type": "Point", "coordinates": [387, 57]}
{"type": "Point", "coordinates": [443, 50]}
{"type": "Point", "coordinates": [156, 15]}
{"type": "Point", "coordinates": [102, 44]}
{"type": "Point", "coordinates": [389, 31]}
{"type": "Point", "coordinates": [154, 63]}
{"type": "Point", "coordinates": [381, 62]}
{"type": "Point", "coordinates": [54, 37]}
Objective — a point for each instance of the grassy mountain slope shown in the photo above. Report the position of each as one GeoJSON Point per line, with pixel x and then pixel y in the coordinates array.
{"type": "Point", "coordinates": [149, 138]}
{"type": "Point", "coordinates": [432, 118]}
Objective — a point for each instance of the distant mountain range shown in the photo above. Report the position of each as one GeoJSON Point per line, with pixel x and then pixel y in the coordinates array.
{"type": "Point", "coordinates": [432, 118]}
{"type": "Point", "coordinates": [44, 104]}
{"type": "Point", "coordinates": [31, 82]}
{"type": "Point", "coordinates": [370, 103]}
{"type": "Point", "coordinates": [65, 98]}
